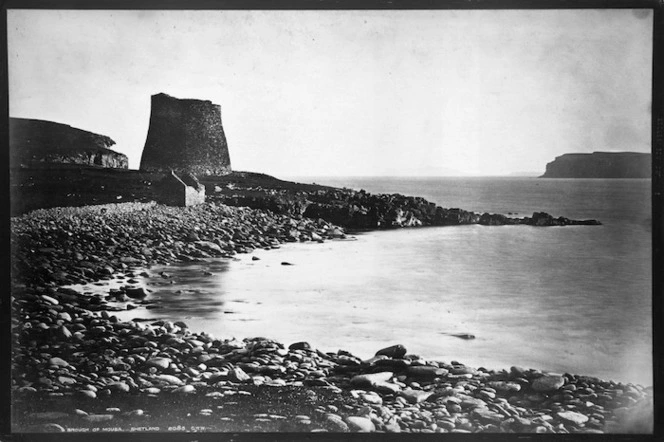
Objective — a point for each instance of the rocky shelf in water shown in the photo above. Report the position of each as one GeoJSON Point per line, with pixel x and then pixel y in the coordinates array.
{"type": "Point", "coordinates": [77, 367]}
{"type": "Point", "coordinates": [358, 209]}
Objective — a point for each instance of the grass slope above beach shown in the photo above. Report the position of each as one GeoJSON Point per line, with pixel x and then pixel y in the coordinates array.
{"type": "Point", "coordinates": [77, 367]}
{"type": "Point", "coordinates": [68, 185]}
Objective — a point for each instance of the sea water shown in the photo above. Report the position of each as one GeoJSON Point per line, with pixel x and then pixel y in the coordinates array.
{"type": "Point", "coordinates": [571, 299]}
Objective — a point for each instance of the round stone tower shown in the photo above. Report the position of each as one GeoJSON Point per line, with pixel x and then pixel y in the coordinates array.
{"type": "Point", "coordinates": [185, 135]}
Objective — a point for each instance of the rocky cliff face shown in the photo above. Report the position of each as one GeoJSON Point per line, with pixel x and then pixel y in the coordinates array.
{"type": "Point", "coordinates": [33, 142]}
{"type": "Point", "coordinates": [600, 165]}
{"type": "Point", "coordinates": [185, 135]}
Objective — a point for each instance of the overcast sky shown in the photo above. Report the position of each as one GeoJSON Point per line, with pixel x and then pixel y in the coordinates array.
{"type": "Point", "coordinates": [326, 93]}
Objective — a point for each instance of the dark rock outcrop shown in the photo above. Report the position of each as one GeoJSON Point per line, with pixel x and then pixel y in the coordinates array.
{"type": "Point", "coordinates": [600, 165]}
{"type": "Point", "coordinates": [33, 142]}
{"type": "Point", "coordinates": [185, 135]}
{"type": "Point", "coordinates": [365, 211]}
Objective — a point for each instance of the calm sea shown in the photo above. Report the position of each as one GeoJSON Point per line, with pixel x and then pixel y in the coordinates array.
{"type": "Point", "coordinates": [563, 299]}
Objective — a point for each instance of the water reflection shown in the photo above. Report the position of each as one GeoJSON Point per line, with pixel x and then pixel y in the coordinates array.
{"type": "Point", "coordinates": [190, 290]}
{"type": "Point", "coordinates": [184, 290]}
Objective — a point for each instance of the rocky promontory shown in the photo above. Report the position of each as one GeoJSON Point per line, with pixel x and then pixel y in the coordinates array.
{"type": "Point", "coordinates": [600, 165]}
{"type": "Point", "coordinates": [33, 142]}
{"type": "Point", "coordinates": [361, 210]}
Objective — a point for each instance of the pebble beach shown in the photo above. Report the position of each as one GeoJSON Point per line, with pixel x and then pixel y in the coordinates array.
{"type": "Point", "coordinates": [78, 368]}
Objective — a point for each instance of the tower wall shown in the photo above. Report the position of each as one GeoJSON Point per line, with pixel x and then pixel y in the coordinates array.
{"type": "Point", "coordinates": [185, 135]}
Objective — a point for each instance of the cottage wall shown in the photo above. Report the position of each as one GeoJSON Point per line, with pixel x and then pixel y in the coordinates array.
{"type": "Point", "coordinates": [175, 192]}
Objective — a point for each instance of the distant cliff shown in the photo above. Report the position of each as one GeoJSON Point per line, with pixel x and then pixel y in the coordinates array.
{"type": "Point", "coordinates": [33, 142]}
{"type": "Point", "coordinates": [600, 165]}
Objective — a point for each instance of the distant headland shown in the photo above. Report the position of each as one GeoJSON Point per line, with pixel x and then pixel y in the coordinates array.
{"type": "Point", "coordinates": [600, 165]}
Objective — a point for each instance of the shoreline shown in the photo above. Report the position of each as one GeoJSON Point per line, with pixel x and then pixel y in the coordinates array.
{"type": "Point", "coordinates": [210, 297]}
{"type": "Point", "coordinates": [58, 346]}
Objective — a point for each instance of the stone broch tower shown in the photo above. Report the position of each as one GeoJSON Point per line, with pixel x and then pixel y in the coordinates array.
{"type": "Point", "coordinates": [185, 135]}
